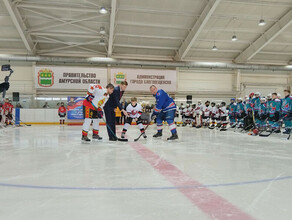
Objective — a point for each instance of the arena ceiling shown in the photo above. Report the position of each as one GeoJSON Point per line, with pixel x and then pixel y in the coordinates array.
{"type": "Point", "coordinates": [153, 29]}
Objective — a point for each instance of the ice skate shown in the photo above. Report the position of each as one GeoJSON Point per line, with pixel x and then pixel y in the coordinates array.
{"type": "Point", "coordinates": [85, 139]}
{"type": "Point", "coordinates": [158, 134]}
{"type": "Point", "coordinates": [173, 137]}
{"type": "Point", "coordinates": [96, 137]}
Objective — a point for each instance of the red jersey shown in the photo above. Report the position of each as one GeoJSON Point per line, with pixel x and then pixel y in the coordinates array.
{"type": "Point", "coordinates": [6, 108]}
{"type": "Point", "coordinates": [62, 109]}
{"type": "Point", "coordinates": [11, 108]}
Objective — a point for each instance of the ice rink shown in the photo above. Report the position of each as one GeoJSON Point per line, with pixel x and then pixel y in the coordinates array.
{"type": "Point", "coordinates": [47, 173]}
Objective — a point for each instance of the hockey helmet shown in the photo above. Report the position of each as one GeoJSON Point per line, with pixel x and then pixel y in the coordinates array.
{"type": "Point", "coordinates": [251, 95]}
{"type": "Point", "coordinates": [263, 99]}
{"type": "Point", "coordinates": [255, 131]}
{"type": "Point", "coordinates": [257, 93]}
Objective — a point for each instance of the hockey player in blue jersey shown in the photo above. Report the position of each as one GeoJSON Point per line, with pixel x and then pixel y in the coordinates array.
{"type": "Point", "coordinates": [274, 114]}
{"type": "Point", "coordinates": [256, 102]}
{"type": "Point", "coordinates": [232, 113]}
{"type": "Point", "coordinates": [286, 111]}
{"type": "Point", "coordinates": [263, 114]}
{"type": "Point", "coordinates": [240, 113]}
{"type": "Point", "coordinates": [164, 111]}
{"type": "Point", "coordinates": [248, 120]}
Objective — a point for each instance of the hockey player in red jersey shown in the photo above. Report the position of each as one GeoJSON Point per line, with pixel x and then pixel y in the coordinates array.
{"type": "Point", "coordinates": [7, 111]}
{"type": "Point", "coordinates": [96, 97]}
{"type": "Point", "coordinates": [62, 113]}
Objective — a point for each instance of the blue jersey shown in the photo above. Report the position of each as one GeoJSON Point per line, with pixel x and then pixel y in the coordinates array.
{"type": "Point", "coordinates": [256, 103]}
{"type": "Point", "coordinates": [275, 106]}
{"type": "Point", "coordinates": [263, 109]}
{"type": "Point", "coordinates": [240, 108]}
{"type": "Point", "coordinates": [286, 104]}
{"type": "Point", "coordinates": [163, 101]}
{"type": "Point", "coordinates": [268, 104]}
{"type": "Point", "coordinates": [232, 108]}
{"type": "Point", "coordinates": [248, 107]}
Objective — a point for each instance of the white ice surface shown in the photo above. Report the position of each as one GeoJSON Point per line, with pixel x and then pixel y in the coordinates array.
{"type": "Point", "coordinates": [53, 156]}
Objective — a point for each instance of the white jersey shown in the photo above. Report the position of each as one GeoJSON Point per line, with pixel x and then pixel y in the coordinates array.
{"type": "Point", "coordinates": [198, 110]}
{"type": "Point", "coordinates": [206, 110]}
{"type": "Point", "coordinates": [223, 111]}
{"type": "Point", "coordinates": [188, 111]}
{"type": "Point", "coordinates": [215, 112]}
{"type": "Point", "coordinates": [134, 111]}
{"type": "Point", "coordinates": [99, 93]}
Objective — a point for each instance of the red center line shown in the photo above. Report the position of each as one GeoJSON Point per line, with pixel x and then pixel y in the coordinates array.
{"type": "Point", "coordinates": [208, 201]}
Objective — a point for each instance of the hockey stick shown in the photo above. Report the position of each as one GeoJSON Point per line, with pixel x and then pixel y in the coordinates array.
{"type": "Point", "coordinates": [115, 136]}
{"type": "Point", "coordinates": [144, 130]}
{"type": "Point", "coordinates": [21, 121]}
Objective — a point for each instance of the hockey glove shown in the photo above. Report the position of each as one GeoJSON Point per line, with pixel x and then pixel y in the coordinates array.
{"type": "Point", "coordinates": [99, 113]}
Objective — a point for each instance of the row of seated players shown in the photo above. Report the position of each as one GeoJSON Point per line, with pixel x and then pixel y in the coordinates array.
{"type": "Point", "coordinates": [254, 111]}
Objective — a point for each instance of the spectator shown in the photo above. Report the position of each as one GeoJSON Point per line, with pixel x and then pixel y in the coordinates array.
{"type": "Point", "coordinates": [118, 115]}
{"type": "Point", "coordinates": [18, 105]}
{"type": "Point", "coordinates": [46, 105]}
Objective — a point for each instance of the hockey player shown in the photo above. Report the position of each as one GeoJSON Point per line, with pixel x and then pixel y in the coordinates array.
{"type": "Point", "coordinates": [193, 115]}
{"type": "Point", "coordinates": [223, 116]}
{"type": "Point", "coordinates": [263, 114]}
{"type": "Point", "coordinates": [176, 117]}
{"type": "Point", "coordinates": [62, 113]}
{"type": "Point", "coordinates": [256, 102]}
{"type": "Point", "coordinates": [164, 111]}
{"type": "Point", "coordinates": [240, 113]}
{"type": "Point", "coordinates": [248, 120]}
{"type": "Point", "coordinates": [232, 112]}
{"type": "Point", "coordinates": [96, 97]}
{"type": "Point", "coordinates": [214, 115]}
{"type": "Point", "coordinates": [7, 110]}
{"type": "Point", "coordinates": [206, 109]}
{"type": "Point", "coordinates": [198, 115]}
{"type": "Point", "coordinates": [274, 114]}
{"type": "Point", "coordinates": [186, 113]}
{"type": "Point", "coordinates": [134, 111]}
{"type": "Point", "coordinates": [286, 112]}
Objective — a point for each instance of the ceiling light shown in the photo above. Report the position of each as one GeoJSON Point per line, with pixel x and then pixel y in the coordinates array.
{"type": "Point", "coordinates": [103, 10]}
{"type": "Point", "coordinates": [214, 47]}
{"type": "Point", "coordinates": [102, 42]}
{"type": "Point", "coordinates": [262, 22]}
{"type": "Point", "coordinates": [234, 38]}
{"type": "Point", "coordinates": [102, 30]}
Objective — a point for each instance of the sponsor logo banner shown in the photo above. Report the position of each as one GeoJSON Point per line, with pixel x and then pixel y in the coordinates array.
{"type": "Point", "coordinates": [142, 79]}
{"type": "Point", "coordinates": [62, 77]}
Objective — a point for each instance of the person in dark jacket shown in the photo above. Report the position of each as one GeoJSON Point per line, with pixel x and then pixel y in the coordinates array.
{"type": "Point", "coordinates": [109, 109]}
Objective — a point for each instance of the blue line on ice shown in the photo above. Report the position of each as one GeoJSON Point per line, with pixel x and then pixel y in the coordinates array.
{"type": "Point", "coordinates": [142, 188]}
